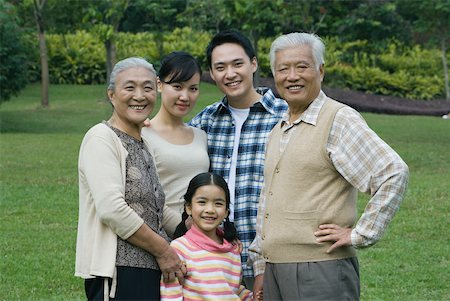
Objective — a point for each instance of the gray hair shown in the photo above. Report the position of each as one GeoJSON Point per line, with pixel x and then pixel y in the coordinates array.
{"type": "Point", "coordinates": [128, 63]}
{"type": "Point", "coordinates": [295, 39]}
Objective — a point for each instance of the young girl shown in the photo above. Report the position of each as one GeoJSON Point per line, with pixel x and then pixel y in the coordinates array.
{"type": "Point", "coordinates": [180, 151]}
{"type": "Point", "coordinates": [213, 263]}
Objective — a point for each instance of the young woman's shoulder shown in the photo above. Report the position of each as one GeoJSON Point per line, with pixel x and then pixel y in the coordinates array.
{"type": "Point", "coordinates": [199, 133]}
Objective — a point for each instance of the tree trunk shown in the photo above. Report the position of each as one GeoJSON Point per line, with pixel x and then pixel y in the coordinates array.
{"type": "Point", "coordinates": [44, 70]}
{"type": "Point", "coordinates": [445, 65]}
{"type": "Point", "coordinates": [110, 58]}
{"type": "Point", "coordinates": [42, 51]}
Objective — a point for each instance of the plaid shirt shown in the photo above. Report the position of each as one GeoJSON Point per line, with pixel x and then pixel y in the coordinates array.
{"type": "Point", "coordinates": [217, 122]}
{"type": "Point", "coordinates": [364, 160]}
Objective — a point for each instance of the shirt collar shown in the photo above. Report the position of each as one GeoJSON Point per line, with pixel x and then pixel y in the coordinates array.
{"type": "Point", "coordinates": [311, 113]}
{"type": "Point", "coordinates": [267, 101]}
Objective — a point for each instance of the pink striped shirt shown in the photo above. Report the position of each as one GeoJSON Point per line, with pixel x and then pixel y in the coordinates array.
{"type": "Point", "coordinates": [214, 270]}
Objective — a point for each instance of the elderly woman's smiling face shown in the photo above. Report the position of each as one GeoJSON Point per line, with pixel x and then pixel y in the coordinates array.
{"type": "Point", "coordinates": [133, 97]}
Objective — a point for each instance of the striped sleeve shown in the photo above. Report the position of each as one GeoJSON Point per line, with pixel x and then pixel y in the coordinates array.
{"type": "Point", "coordinates": [245, 294]}
{"type": "Point", "coordinates": [171, 291]}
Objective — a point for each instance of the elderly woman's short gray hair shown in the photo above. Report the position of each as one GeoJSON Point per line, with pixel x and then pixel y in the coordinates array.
{"type": "Point", "coordinates": [298, 39]}
{"type": "Point", "coordinates": [128, 63]}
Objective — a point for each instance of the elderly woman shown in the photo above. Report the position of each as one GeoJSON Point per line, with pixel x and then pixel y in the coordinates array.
{"type": "Point", "coordinates": [122, 248]}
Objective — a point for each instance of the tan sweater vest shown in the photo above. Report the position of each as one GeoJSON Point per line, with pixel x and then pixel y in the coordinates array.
{"type": "Point", "coordinates": [304, 190]}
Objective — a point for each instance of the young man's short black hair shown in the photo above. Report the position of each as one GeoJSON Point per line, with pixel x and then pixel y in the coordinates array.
{"type": "Point", "coordinates": [230, 36]}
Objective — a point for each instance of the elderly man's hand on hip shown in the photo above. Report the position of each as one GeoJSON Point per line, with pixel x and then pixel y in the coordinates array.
{"type": "Point", "coordinates": [330, 232]}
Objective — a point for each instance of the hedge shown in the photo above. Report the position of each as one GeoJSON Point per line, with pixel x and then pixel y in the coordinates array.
{"type": "Point", "coordinates": [410, 72]}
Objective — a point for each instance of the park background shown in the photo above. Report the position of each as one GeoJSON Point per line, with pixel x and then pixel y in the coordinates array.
{"type": "Point", "coordinates": [55, 57]}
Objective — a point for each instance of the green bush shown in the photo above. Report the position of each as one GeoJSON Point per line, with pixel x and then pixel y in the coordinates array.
{"type": "Point", "coordinates": [187, 40]}
{"type": "Point", "coordinates": [414, 59]}
{"type": "Point", "coordinates": [410, 72]}
{"type": "Point", "coordinates": [76, 59]}
{"type": "Point", "coordinates": [79, 58]}
{"type": "Point", "coordinates": [140, 44]}
{"type": "Point", "coordinates": [263, 57]}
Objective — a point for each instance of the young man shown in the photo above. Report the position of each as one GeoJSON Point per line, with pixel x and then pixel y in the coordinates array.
{"type": "Point", "coordinates": [318, 157]}
{"type": "Point", "coordinates": [237, 128]}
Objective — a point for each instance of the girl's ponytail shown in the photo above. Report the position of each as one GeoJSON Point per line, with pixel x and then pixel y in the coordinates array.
{"type": "Point", "coordinates": [181, 228]}
{"type": "Point", "coordinates": [229, 230]}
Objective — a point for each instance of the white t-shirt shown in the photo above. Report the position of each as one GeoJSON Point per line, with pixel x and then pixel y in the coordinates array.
{"type": "Point", "coordinates": [239, 116]}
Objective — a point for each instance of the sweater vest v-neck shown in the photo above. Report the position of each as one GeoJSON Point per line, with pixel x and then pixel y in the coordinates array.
{"type": "Point", "coordinates": [303, 191]}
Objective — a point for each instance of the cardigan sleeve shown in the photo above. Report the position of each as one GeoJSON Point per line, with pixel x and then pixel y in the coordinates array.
{"type": "Point", "coordinates": [102, 166]}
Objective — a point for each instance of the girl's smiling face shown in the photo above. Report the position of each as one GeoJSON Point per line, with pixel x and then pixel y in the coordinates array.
{"type": "Point", "coordinates": [208, 209]}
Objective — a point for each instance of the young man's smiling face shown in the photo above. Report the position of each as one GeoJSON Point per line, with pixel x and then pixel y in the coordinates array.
{"type": "Point", "coordinates": [233, 70]}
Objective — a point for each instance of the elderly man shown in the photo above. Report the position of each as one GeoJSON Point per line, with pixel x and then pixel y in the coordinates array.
{"type": "Point", "coordinates": [317, 157]}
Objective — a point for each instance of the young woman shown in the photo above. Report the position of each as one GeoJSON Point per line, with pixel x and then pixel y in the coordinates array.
{"type": "Point", "coordinates": [212, 261]}
{"type": "Point", "coordinates": [180, 151]}
{"type": "Point", "coordinates": [121, 246]}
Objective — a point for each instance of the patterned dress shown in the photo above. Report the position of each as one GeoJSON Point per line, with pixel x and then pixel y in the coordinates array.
{"type": "Point", "coordinates": [144, 194]}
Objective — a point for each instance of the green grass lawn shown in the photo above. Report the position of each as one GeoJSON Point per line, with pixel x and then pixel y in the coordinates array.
{"type": "Point", "coordinates": [39, 199]}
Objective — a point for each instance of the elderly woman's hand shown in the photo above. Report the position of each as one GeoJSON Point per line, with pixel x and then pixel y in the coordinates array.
{"type": "Point", "coordinates": [171, 266]}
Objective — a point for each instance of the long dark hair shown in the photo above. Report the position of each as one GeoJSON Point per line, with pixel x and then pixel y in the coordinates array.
{"type": "Point", "coordinates": [203, 179]}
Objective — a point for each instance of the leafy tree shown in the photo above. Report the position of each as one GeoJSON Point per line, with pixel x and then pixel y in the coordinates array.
{"type": "Point", "coordinates": [61, 17]}
{"type": "Point", "coordinates": [208, 15]}
{"type": "Point", "coordinates": [306, 16]}
{"type": "Point", "coordinates": [376, 21]}
{"type": "Point", "coordinates": [155, 16]}
{"type": "Point", "coordinates": [257, 18]}
{"type": "Point", "coordinates": [105, 17]}
{"type": "Point", "coordinates": [45, 14]}
{"type": "Point", "coordinates": [65, 16]}
{"type": "Point", "coordinates": [35, 11]}
{"type": "Point", "coordinates": [13, 53]}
